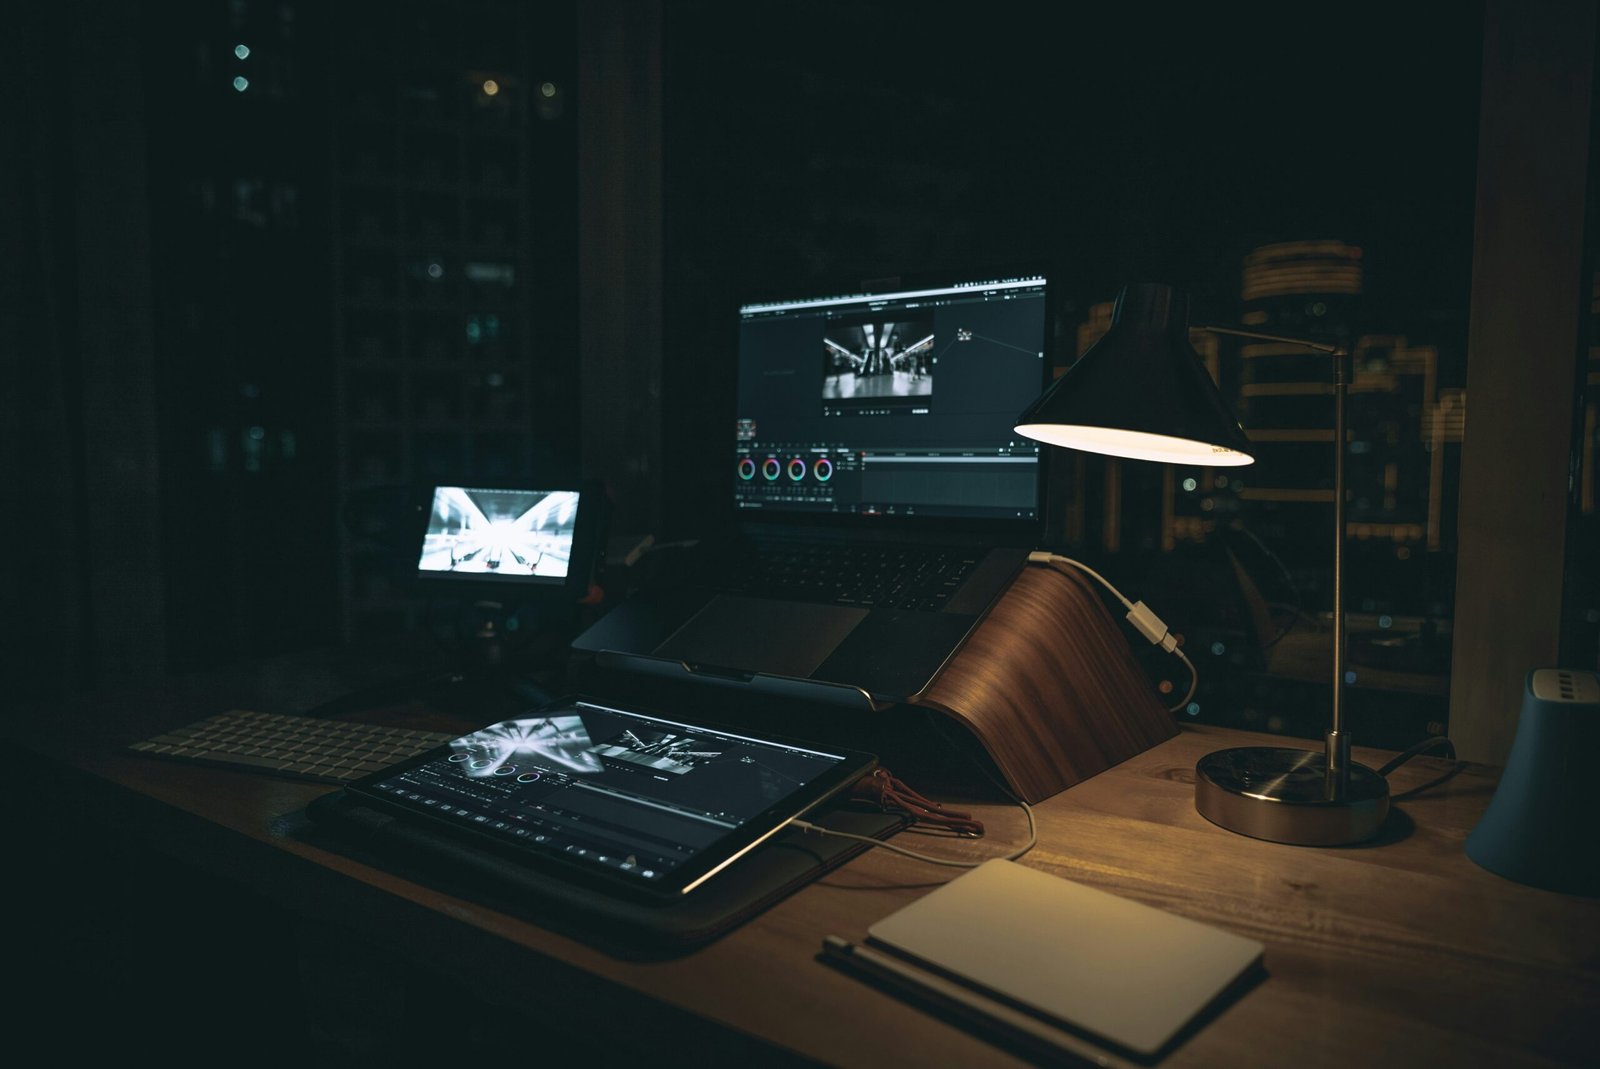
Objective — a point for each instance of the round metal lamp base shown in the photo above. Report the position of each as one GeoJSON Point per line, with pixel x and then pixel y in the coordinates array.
{"type": "Point", "coordinates": [1281, 795]}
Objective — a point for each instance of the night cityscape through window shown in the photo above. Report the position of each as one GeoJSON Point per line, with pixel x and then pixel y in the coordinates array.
{"type": "Point", "coordinates": [366, 270]}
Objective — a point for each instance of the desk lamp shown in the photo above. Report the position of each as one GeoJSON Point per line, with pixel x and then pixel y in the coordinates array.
{"type": "Point", "coordinates": [1141, 392]}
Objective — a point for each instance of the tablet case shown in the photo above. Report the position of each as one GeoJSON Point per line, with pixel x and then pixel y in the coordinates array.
{"type": "Point", "coordinates": [623, 926]}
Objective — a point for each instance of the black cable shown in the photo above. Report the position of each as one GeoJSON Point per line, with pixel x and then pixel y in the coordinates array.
{"type": "Point", "coordinates": [430, 619]}
{"type": "Point", "coordinates": [1450, 774]}
{"type": "Point", "coordinates": [1428, 743]}
{"type": "Point", "coordinates": [1431, 742]}
{"type": "Point", "coordinates": [1296, 598]}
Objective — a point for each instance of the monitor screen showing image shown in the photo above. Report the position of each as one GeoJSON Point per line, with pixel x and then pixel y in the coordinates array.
{"type": "Point", "coordinates": [499, 534]}
{"type": "Point", "coordinates": [895, 402]}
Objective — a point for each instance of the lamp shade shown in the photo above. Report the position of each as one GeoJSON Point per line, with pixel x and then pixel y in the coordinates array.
{"type": "Point", "coordinates": [1141, 391]}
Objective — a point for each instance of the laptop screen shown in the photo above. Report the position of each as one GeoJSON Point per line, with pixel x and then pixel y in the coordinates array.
{"type": "Point", "coordinates": [896, 403]}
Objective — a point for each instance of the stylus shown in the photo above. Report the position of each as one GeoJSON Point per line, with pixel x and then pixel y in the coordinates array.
{"type": "Point", "coordinates": [963, 1001]}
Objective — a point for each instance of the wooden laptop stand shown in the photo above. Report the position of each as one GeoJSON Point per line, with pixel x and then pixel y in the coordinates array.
{"type": "Point", "coordinates": [1048, 685]}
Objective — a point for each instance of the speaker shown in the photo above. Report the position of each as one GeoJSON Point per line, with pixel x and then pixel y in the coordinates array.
{"type": "Point", "coordinates": [1542, 826]}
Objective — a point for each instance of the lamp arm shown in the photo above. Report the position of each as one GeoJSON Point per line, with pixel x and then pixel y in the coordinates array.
{"type": "Point", "coordinates": [1315, 346]}
{"type": "Point", "coordinates": [1337, 770]}
{"type": "Point", "coordinates": [1337, 766]}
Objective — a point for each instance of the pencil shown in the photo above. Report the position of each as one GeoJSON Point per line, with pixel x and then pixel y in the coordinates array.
{"type": "Point", "coordinates": [966, 1002]}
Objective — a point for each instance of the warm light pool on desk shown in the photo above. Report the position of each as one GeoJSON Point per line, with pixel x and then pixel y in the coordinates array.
{"type": "Point", "coordinates": [1004, 936]}
{"type": "Point", "coordinates": [1141, 392]}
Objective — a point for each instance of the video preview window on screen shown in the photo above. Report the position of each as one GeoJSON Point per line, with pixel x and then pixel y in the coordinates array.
{"type": "Point", "coordinates": [892, 404]}
{"type": "Point", "coordinates": [877, 359]}
{"type": "Point", "coordinates": [524, 535]}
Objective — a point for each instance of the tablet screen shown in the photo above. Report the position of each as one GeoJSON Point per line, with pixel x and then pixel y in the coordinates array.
{"type": "Point", "coordinates": [654, 803]}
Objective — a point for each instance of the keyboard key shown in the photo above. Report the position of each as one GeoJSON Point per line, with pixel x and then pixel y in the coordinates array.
{"type": "Point", "coordinates": [903, 576]}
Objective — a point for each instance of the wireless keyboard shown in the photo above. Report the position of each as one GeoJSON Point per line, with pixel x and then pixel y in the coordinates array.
{"type": "Point", "coordinates": [300, 747]}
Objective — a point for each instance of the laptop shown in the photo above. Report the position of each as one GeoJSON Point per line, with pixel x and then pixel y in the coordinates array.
{"type": "Point", "coordinates": [879, 499]}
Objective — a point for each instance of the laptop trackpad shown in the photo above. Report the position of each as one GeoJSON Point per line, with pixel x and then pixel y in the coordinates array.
{"type": "Point", "coordinates": [784, 638]}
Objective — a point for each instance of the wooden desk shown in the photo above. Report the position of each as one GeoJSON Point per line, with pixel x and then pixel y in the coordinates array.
{"type": "Point", "coordinates": [1399, 952]}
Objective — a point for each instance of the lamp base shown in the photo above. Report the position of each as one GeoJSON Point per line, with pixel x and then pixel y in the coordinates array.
{"type": "Point", "coordinates": [1281, 795]}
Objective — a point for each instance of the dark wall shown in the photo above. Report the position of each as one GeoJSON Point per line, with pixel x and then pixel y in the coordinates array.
{"type": "Point", "coordinates": [82, 587]}
{"type": "Point", "coordinates": [809, 143]}
{"type": "Point", "coordinates": [180, 217]}
{"type": "Point", "coordinates": [804, 145]}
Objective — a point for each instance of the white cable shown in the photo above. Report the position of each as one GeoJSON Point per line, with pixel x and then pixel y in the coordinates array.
{"type": "Point", "coordinates": [1033, 837]}
{"type": "Point", "coordinates": [1143, 619]}
{"type": "Point", "coordinates": [1044, 556]}
{"type": "Point", "coordinates": [1194, 680]}
{"type": "Point", "coordinates": [1140, 615]}
{"type": "Point", "coordinates": [1033, 829]}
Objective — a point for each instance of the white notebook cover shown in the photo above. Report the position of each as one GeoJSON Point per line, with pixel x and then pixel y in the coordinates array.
{"type": "Point", "coordinates": [1114, 968]}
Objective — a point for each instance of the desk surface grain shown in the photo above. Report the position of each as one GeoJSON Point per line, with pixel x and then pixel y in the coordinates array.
{"type": "Point", "coordinates": [1399, 952]}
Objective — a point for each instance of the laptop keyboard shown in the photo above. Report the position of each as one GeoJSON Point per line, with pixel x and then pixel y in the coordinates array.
{"type": "Point", "coordinates": [891, 576]}
{"type": "Point", "coordinates": [283, 744]}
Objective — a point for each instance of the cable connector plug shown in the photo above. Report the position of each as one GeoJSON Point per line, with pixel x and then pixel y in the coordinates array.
{"type": "Point", "coordinates": [1143, 620]}
{"type": "Point", "coordinates": [1152, 627]}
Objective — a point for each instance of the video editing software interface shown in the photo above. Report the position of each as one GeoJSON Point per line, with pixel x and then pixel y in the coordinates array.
{"type": "Point", "coordinates": [491, 534]}
{"type": "Point", "coordinates": [898, 403]}
{"type": "Point", "coordinates": [631, 793]}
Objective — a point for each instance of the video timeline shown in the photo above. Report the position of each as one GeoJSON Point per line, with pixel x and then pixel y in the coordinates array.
{"type": "Point", "coordinates": [999, 482]}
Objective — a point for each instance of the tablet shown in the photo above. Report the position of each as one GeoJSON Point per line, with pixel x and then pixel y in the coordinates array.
{"type": "Point", "coordinates": [622, 798]}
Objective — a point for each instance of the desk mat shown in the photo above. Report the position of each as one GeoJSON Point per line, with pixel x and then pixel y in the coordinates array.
{"type": "Point", "coordinates": [619, 925]}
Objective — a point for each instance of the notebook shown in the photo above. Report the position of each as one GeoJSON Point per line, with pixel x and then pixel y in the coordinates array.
{"type": "Point", "coordinates": [1126, 974]}
{"type": "Point", "coordinates": [874, 474]}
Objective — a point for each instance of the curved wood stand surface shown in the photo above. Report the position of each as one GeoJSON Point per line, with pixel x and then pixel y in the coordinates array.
{"type": "Point", "coordinates": [1048, 685]}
